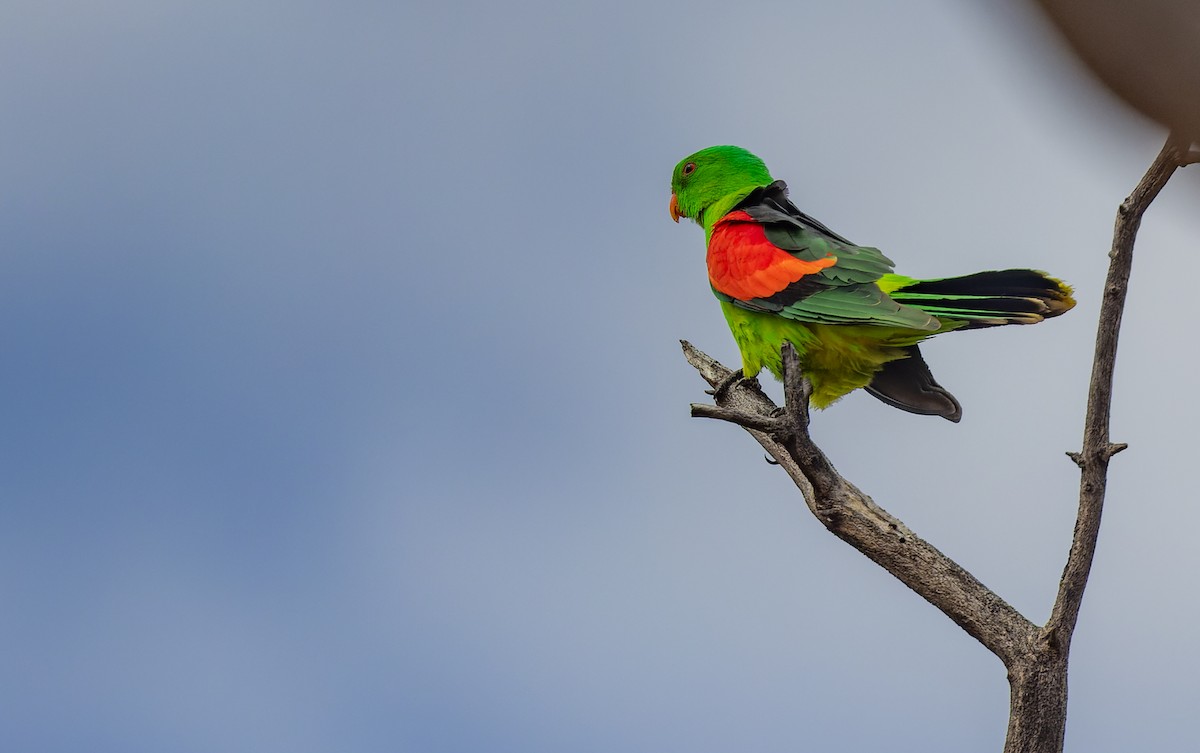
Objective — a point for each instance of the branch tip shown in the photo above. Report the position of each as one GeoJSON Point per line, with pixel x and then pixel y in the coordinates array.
{"type": "Point", "coordinates": [710, 370]}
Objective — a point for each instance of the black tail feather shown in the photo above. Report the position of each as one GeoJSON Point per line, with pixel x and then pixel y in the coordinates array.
{"type": "Point", "coordinates": [908, 384]}
{"type": "Point", "coordinates": [988, 299]}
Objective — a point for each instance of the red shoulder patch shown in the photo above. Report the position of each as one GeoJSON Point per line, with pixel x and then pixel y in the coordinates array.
{"type": "Point", "coordinates": [743, 264]}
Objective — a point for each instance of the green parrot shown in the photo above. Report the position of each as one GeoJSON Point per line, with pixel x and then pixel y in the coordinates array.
{"type": "Point", "coordinates": [782, 276]}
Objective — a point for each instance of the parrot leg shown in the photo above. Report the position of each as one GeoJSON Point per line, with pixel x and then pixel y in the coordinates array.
{"type": "Point", "coordinates": [721, 389]}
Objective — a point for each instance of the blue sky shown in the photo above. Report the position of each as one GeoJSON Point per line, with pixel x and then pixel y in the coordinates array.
{"type": "Point", "coordinates": [344, 408]}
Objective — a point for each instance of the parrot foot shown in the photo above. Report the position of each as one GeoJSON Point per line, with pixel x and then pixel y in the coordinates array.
{"type": "Point", "coordinates": [721, 389]}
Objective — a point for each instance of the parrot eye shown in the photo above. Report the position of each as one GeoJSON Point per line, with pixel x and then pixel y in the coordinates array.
{"type": "Point", "coordinates": [689, 168]}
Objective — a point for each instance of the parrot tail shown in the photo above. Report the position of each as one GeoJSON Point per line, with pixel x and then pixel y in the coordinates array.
{"type": "Point", "coordinates": [985, 299]}
{"type": "Point", "coordinates": [908, 384]}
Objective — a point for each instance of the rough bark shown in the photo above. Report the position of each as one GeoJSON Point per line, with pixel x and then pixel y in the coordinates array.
{"type": "Point", "coordinates": [1036, 657]}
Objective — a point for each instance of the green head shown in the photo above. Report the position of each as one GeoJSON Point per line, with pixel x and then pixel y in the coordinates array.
{"type": "Point", "coordinates": [712, 181]}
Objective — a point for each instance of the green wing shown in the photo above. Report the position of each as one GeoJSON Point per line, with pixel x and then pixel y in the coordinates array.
{"type": "Point", "coordinates": [845, 293]}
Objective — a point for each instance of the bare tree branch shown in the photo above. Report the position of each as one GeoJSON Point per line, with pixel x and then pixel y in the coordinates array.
{"type": "Point", "coordinates": [854, 517]}
{"type": "Point", "coordinates": [1097, 449]}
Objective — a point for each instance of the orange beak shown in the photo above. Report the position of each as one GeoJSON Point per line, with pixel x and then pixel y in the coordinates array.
{"type": "Point", "coordinates": [675, 214]}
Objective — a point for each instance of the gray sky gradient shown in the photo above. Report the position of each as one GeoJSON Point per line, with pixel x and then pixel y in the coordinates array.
{"type": "Point", "coordinates": [344, 408]}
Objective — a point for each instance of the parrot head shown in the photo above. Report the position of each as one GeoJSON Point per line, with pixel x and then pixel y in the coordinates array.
{"type": "Point", "coordinates": [719, 176]}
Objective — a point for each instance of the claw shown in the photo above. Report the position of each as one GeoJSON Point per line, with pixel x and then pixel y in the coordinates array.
{"type": "Point", "coordinates": [721, 389]}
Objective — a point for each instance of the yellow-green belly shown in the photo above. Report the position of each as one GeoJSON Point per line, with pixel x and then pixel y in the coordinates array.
{"type": "Point", "coordinates": [836, 358]}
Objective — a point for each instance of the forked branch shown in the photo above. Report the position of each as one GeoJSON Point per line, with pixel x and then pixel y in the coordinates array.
{"type": "Point", "coordinates": [853, 516]}
{"type": "Point", "coordinates": [1036, 658]}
